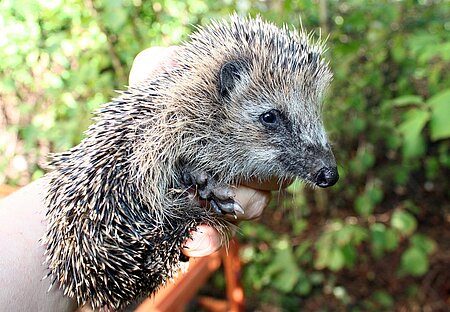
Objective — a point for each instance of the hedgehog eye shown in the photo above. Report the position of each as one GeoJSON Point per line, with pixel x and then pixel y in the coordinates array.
{"type": "Point", "coordinates": [270, 119]}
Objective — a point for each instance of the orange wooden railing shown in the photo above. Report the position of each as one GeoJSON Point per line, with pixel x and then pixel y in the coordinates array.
{"type": "Point", "coordinates": [175, 296]}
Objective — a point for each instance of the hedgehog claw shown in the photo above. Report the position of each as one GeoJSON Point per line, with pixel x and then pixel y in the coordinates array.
{"type": "Point", "coordinates": [215, 207]}
{"type": "Point", "coordinates": [224, 207]}
{"type": "Point", "coordinates": [223, 193]}
{"type": "Point", "coordinates": [220, 196]}
{"type": "Point", "coordinates": [238, 208]}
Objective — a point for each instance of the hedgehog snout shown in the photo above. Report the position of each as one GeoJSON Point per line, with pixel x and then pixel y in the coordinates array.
{"type": "Point", "coordinates": [327, 176]}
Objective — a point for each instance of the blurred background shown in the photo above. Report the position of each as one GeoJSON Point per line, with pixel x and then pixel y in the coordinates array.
{"type": "Point", "coordinates": [377, 241]}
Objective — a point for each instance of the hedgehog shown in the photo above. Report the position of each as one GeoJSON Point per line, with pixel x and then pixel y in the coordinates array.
{"type": "Point", "coordinates": [242, 102]}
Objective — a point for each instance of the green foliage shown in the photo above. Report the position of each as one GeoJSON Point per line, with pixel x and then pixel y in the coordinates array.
{"type": "Point", "coordinates": [380, 300]}
{"type": "Point", "coordinates": [366, 202]}
{"type": "Point", "coordinates": [382, 239]}
{"type": "Point", "coordinates": [435, 111]}
{"type": "Point", "coordinates": [414, 260]}
{"type": "Point", "coordinates": [336, 247]}
{"type": "Point", "coordinates": [404, 222]}
{"type": "Point", "coordinates": [282, 273]}
{"type": "Point", "coordinates": [440, 110]}
{"type": "Point", "coordinates": [387, 113]}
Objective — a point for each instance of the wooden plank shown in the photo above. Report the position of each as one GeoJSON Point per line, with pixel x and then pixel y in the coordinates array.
{"type": "Point", "coordinates": [232, 268]}
{"type": "Point", "coordinates": [5, 190]}
{"type": "Point", "coordinates": [175, 296]}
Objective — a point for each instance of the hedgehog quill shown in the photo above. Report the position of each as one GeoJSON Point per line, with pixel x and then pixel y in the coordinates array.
{"type": "Point", "coordinates": [242, 102]}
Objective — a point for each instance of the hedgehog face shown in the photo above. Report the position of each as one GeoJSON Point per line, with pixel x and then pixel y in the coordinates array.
{"type": "Point", "coordinates": [299, 150]}
{"type": "Point", "coordinates": [265, 86]}
{"type": "Point", "coordinates": [284, 133]}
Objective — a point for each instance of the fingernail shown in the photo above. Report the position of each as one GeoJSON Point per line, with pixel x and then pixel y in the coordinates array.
{"type": "Point", "coordinates": [238, 208]}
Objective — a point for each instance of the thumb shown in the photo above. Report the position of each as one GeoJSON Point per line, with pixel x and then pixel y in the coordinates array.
{"type": "Point", "coordinates": [203, 242]}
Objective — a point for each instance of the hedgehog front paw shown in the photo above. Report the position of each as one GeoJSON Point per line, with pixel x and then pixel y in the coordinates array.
{"type": "Point", "coordinates": [219, 195]}
{"type": "Point", "coordinates": [222, 200]}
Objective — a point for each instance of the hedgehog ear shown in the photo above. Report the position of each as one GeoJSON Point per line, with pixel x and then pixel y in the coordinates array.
{"type": "Point", "coordinates": [230, 74]}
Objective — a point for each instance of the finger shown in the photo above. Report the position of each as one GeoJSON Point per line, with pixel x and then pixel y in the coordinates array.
{"type": "Point", "coordinates": [150, 62]}
{"type": "Point", "coordinates": [204, 241]}
{"type": "Point", "coordinates": [253, 202]}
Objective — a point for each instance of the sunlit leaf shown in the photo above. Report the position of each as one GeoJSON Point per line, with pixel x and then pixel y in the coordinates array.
{"type": "Point", "coordinates": [407, 100]}
{"type": "Point", "coordinates": [411, 128]}
{"type": "Point", "coordinates": [336, 259]}
{"type": "Point", "coordinates": [414, 261]}
{"type": "Point", "coordinates": [440, 115]}
{"type": "Point", "coordinates": [404, 222]}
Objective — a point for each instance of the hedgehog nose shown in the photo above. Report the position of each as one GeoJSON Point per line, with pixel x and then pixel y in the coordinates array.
{"type": "Point", "coordinates": [327, 176]}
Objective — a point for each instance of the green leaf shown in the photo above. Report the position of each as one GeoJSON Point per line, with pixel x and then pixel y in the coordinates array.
{"type": "Point", "coordinates": [299, 226]}
{"type": "Point", "coordinates": [364, 205]}
{"type": "Point", "coordinates": [383, 298]}
{"type": "Point", "coordinates": [411, 128]}
{"type": "Point", "coordinates": [407, 100]}
{"type": "Point", "coordinates": [424, 243]}
{"type": "Point", "coordinates": [398, 49]}
{"type": "Point", "coordinates": [392, 240]}
{"type": "Point", "coordinates": [304, 286]}
{"type": "Point", "coordinates": [336, 260]}
{"type": "Point", "coordinates": [411, 206]}
{"type": "Point", "coordinates": [350, 233]}
{"type": "Point", "coordinates": [375, 193]}
{"type": "Point", "coordinates": [37, 174]}
{"type": "Point", "coordinates": [344, 235]}
{"type": "Point", "coordinates": [350, 255]}
{"type": "Point", "coordinates": [404, 222]}
{"type": "Point", "coordinates": [440, 114]}
{"type": "Point", "coordinates": [414, 261]}
{"type": "Point", "coordinates": [360, 234]}
{"type": "Point", "coordinates": [382, 238]}
{"type": "Point", "coordinates": [283, 272]}
{"type": "Point", "coordinates": [302, 249]}
{"type": "Point", "coordinates": [323, 247]}
{"type": "Point", "coordinates": [413, 121]}
{"type": "Point", "coordinates": [286, 279]}
{"type": "Point", "coordinates": [378, 239]}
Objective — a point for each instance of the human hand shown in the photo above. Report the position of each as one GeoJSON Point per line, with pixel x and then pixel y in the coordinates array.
{"type": "Point", "coordinates": [253, 197]}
